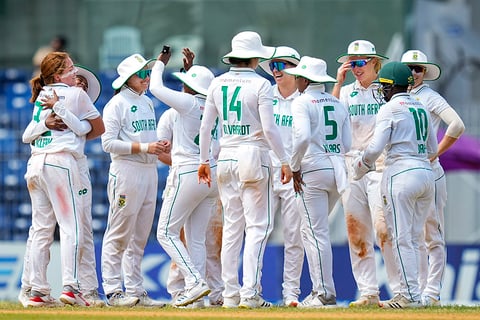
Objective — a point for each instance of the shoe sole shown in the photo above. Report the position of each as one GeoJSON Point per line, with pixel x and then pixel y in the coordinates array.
{"type": "Point", "coordinates": [193, 299]}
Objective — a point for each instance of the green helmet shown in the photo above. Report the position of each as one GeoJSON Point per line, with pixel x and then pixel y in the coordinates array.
{"type": "Point", "coordinates": [396, 73]}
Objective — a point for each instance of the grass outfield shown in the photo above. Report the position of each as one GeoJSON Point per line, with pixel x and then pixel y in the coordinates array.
{"type": "Point", "coordinates": [15, 311]}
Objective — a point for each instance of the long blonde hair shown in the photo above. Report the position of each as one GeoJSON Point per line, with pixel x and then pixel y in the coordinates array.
{"type": "Point", "coordinates": [54, 63]}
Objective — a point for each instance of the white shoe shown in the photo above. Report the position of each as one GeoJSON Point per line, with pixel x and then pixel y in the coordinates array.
{"type": "Point", "coordinates": [119, 299]}
{"type": "Point", "coordinates": [93, 298]}
{"type": "Point", "coordinates": [24, 296]}
{"type": "Point", "coordinates": [428, 301]}
{"type": "Point", "coordinates": [231, 302]}
{"type": "Point", "coordinates": [315, 300]}
{"type": "Point", "coordinates": [400, 302]}
{"type": "Point", "coordinates": [145, 301]}
{"type": "Point", "coordinates": [38, 299]}
{"type": "Point", "coordinates": [291, 302]}
{"type": "Point", "coordinates": [366, 301]}
{"type": "Point", "coordinates": [254, 302]}
{"type": "Point", "coordinates": [199, 290]}
{"type": "Point", "coordinates": [73, 297]}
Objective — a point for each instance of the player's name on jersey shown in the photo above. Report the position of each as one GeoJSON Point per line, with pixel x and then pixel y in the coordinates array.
{"type": "Point", "coordinates": [283, 120]}
{"type": "Point", "coordinates": [332, 148]}
{"type": "Point", "coordinates": [236, 129]}
{"type": "Point", "coordinates": [363, 109]}
{"type": "Point", "coordinates": [42, 142]}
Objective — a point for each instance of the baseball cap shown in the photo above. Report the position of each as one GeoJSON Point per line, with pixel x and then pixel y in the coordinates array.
{"type": "Point", "coordinates": [197, 77]}
{"type": "Point", "coordinates": [128, 67]}
{"type": "Point", "coordinates": [94, 84]}
{"type": "Point", "coordinates": [313, 69]}
{"type": "Point", "coordinates": [281, 53]}
{"type": "Point", "coordinates": [362, 48]}
{"type": "Point", "coordinates": [418, 58]}
{"type": "Point", "coordinates": [396, 73]}
{"type": "Point", "coordinates": [246, 45]}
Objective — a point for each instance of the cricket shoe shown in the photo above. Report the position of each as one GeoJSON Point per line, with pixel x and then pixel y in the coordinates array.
{"type": "Point", "coordinates": [24, 296]}
{"type": "Point", "coordinates": [199, 290]}
{"type": "Point", "coordinates": [291, 302]}
{"type": "Point", "coordinates": [73, 297]}
{"type": "Point", "coordinates": [315, 300]}
{"type": "Point", "coordinates": [400, 302]}
{"type": "Point", "coordinates": [38, 299]}
{"type": "Point", "coordinates": [231, 302]}
{"type": "Point", "coordinates": [366, 301]}
{"type": "Point", "coordinates": [93, 298]}
{"type": "Point", "coordinates": [145, 301]}
{"type": "Point", "coordinates": [254, 302]}
{"type": "Point", "coordinates": [119, 299]}
{"type": "Point", "coordinates": [428, 301]}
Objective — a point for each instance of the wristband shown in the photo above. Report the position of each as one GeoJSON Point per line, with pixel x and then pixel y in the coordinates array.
{"type": "Point", "coordinates": [205, 162]}
{"type": "Point", "coordinates": [143, 147]}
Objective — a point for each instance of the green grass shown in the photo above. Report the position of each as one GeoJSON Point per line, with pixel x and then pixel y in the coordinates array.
{"type": "Point", "coordinates": [15, 311]}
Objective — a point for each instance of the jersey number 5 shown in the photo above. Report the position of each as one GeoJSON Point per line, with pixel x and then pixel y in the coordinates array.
{"type": "Point", "coordinates": [330, 123]}
{"type": "Point", "coordinates": [233, 105]}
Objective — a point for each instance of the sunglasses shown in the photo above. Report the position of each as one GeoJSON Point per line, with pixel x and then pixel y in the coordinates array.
{"type": "Point", "coordinates": [142, 74]}
{"type": "Point", "coordinates": [359, 63]}
{"type": "Point", "coordinates": [279, 65]}
{"type": "Point", "coordinates": [418, 69]}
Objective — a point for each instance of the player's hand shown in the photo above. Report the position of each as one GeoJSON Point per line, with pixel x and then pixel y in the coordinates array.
{"type": "Point", "coordinates": [164, 57]}
{"type": "Point", "coordinates": [49, 101]}
{"type": "Point", "coordinates": [188, 57]}
{"type": "Point", "coordinates": [53, 122]}
{"type": "Point", "coordinates": [286, 174]}
{"type": "Point", "coordinates": [204, 174]}
{"type": "Point", "coordinates": [342, 72]}
{"type": "Point", "coordinates": [167, 146]}
{"type": "Point", "coordinates": [298, 183]}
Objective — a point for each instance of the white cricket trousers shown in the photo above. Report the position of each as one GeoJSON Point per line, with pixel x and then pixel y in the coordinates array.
{"type": "Point", "coordinates": [53, 181]}
{"type": "Point", "coordinates": [247, 211]}
{"type": "Point", "coordinates": [132, 193]}
{"type": "Point", "coordinates": [285, 207]}
{"type": "Point", "coordinates": [408, 189]}
{"type": "Point", "coordinates": [190, 205]}
{"type": "Point", "coordinates": [315, 203]}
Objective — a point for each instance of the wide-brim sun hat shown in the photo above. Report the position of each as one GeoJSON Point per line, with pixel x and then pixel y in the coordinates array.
{"type": "Point", "coordinates": [247, 45]}
{"type": "Point", "coordinates": [313, 69]}
{"type": "Point", "coordinates": [396, 73]}
{"type": "Point", "coordinates": [128, 67]}
{"type": "Point", "coordinates": [362, 48]}
{"type": "Point", "coordinates": [198, 78]}
{"type": "Point", "coordinates": [418, 58]}
{"type": "Point", "coordinates": [94, 84]}
{"type": "Point", "coordinates": [281, 53]}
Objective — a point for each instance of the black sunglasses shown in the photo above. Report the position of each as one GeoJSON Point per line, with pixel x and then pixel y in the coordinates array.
{"type": "Point", "coordinates": [418, 69]}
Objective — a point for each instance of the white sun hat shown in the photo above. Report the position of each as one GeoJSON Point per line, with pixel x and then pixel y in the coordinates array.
{"type": "Point", "coordinates": [246, 45]}
{"type": "Point", "coordinates": [129, 66]}
{"type": "Point", "coordinates": [313, 69]}
{"type": "Point", "coordinates": [197, 78]}
{"type": "Point", "coordinates": [362, 48]}
{"type": "Point", "coordinates": [94, 84]}
{"type": "Point", "coordinates": [281, 53]}
{"type": "Point", "coordinates": [418, 58]}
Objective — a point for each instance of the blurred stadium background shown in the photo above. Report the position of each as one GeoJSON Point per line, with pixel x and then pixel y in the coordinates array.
{"type": "Point", "coordinates": [102, 32]}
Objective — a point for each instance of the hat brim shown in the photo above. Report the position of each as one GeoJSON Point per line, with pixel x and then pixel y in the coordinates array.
{"type": "Point", "coordinates": [433, 70]}
{"type": "Point", "coordinates": [186, 80]}
{"type": "Point", "coordinates": [344, 58]}
{"type": "Point", "coordinates": [265, 64]}
{"type": "Point", "coordinates": [312, 77]}
{"type": "Point", "coordinates": [120, 81]}
{"type": "Point", "coordinates": [94, 84]}
{"type": "Point", "coordinates": [265, 53]}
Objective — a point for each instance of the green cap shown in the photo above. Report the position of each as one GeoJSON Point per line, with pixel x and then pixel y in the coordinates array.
{"type": "Point", "coordinates": [396, 73]}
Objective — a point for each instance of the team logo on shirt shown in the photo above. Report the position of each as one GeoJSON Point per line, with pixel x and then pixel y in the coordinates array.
{"type": "Point", "coordinates": [134, 109]}
{"type": "Point", "coordinates": [122, 201]}
{"type": "Point", "coordinates": [353, 94]}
